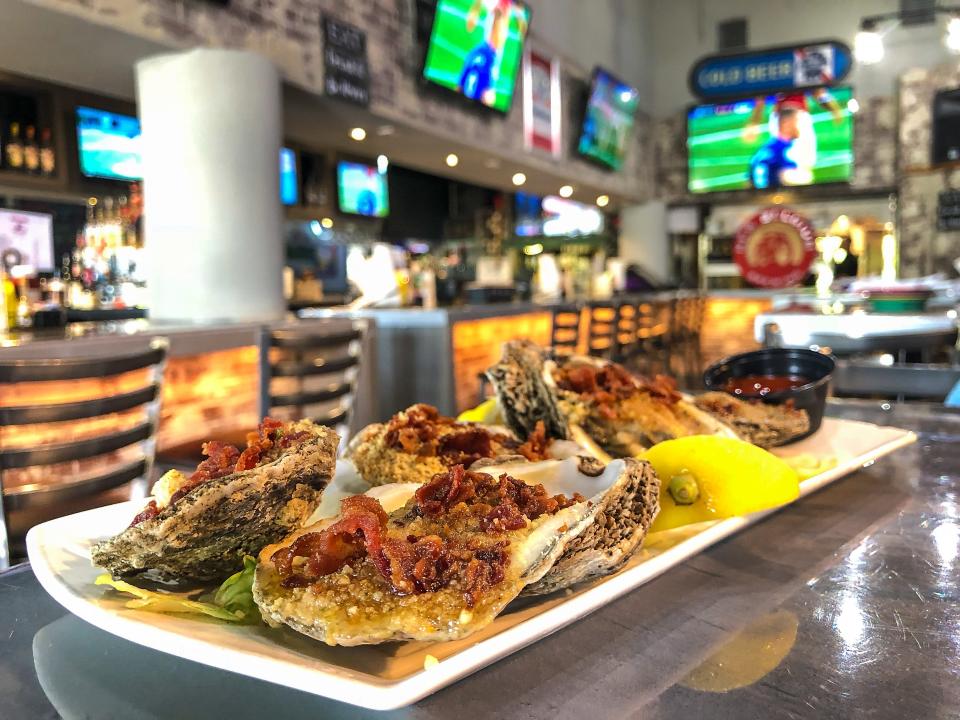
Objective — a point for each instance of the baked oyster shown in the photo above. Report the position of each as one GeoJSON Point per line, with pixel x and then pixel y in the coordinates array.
{"type": "Point", "coordinates": [757, 422]}
{"type": "Point", "coordinates": [438, 568]}
{"type": "Point", "coordinates": [198, 528]}
{"type": "Point", "coordinates": [419, 442]}
{"type": "Point", "coordinates": [613, 413]}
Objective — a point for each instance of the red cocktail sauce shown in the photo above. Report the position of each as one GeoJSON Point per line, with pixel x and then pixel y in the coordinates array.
{"type": "Point", "coordinates": [754, 385]}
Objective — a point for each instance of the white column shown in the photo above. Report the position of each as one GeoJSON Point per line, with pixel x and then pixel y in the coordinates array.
{"type": "Point", "coordinates": [643, 238]}
{"type": "Point", "coordinates": [212, 128]}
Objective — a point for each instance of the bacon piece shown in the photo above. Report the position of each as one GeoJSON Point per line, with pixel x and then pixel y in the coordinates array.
{"type": "Point", "coordinates": [359, 529]}
{"type": "Point", "coordinates": [466, 446]}
{"type": "Point", "coordinates": [486, 569]}
{"type": "Point", "coordinates": [607, 384]}
{"type": "Point", "coordinates": [535, 448]}
{"type": "Point", "coordinates": [150, 511]}
{"type": "Point", "coordinates": [448, 489]}
{"type": "Point", "coordinates": [221, 460]}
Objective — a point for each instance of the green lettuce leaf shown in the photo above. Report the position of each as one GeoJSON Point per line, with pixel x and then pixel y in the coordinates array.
{"type": "Point", "coordinates": [236, 593]}
{"type": "Point", "coordinates": [233, 600]}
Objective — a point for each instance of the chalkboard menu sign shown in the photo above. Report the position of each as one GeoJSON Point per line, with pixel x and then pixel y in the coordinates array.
{"type": "Point", "coordinates": [948, 210]}
{"type": "Point", "coordinates": [347, 73]}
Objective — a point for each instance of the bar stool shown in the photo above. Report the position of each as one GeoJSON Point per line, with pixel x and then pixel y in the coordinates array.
{"type": "Point", "coordinates": [310, 371]}
{"type": "Point", "coordinates": [565, 329]}
{"type": "Point", "coordinates": [602, 320]}
{"type": "Point", "coordinates": [47, 471]}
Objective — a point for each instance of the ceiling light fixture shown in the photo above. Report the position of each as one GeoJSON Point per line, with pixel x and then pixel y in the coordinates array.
{"type": "Point", "coordinates": [952, 39]}
{"type": "Point", "coordinates": [868, 44]}
{"type": "Point", "coordinates": [519, 179]}
{"type": "Point", "coordinates": [327, 223]}
{"type": "Point", "coordinates": [566, 191]}
{"type": "Point", "coordinates": [358, 134]}
{"type": "Point", "coordinates": [603, 200]}
{"type": "Point", "coordinates": [383, 162]}
{"type": "Point", "coordinates": [452, 160]}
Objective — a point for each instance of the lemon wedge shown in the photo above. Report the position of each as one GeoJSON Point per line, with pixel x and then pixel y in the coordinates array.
{"type": "Point", "coordinates": [708, 477]}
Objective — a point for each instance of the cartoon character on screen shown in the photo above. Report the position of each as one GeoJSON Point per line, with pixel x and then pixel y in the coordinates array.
{"type": "Point", "coordinates": [481, 66]}
{"type": "Point", "coordinates": [790, 155]}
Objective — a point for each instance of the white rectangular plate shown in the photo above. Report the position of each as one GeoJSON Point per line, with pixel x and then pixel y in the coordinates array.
{"type": "Point", "coordinates": [395, 674]}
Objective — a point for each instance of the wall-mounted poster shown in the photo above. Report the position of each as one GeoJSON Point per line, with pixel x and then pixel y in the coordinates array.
{"type": "Point", "coordinates": [541, 102]}
{"type": "Point", "coordinates": [27, 238]}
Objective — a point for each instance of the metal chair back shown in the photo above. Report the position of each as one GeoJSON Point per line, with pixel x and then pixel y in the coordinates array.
{"type": "Point", "coordinates": [310, 371]}
{"type": "Point", "coordinates": [30, 456]}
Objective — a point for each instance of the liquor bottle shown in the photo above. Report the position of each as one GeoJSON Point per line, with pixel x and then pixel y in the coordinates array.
{"type": "Point", "coordinates": [48, 155]}
{"type": "Point", "coordinates": [9, 292]}
{"type": "Point", "coordinates": [14, 154]}
{"type": "Point", "coordinates": [31, 151]}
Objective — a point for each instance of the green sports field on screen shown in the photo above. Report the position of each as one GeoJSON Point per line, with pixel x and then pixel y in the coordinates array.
{"type": "Point", "coordinates": [362, 190]}
{"type": "Point", "coordinates": [476, 47]}
{"type": "Point", "coordinates": [736, 146]}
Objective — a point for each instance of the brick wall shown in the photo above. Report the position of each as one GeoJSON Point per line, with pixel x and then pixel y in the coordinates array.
{"type": "Point", "coordinates": [923, 249]}
{"type": "Point", "coordinates": [289, 33]}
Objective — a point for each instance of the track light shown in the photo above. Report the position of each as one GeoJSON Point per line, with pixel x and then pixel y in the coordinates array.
{"type": "Point", "coordinates": [868, 44]}
{"type": "Point", "coordinates": [952, 39]}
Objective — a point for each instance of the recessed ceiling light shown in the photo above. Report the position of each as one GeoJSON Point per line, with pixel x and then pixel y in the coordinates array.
{"type": "Point", "coordinates": [358, 134]}
{"type": "Point", "coordinates": [452, 160]}
{"type": "Point", "coordinates": [327, 223]}
{"type": "Point", "coordinates": [385, 130]}
{"type": "Point", "coordinates": [603, 200]}
{"type": "Point", "coordinates": [519, 179]}
{"type": "Point", "coordinates": [566, 190]}
{"type": "Point", "coordinates": [382, 164]}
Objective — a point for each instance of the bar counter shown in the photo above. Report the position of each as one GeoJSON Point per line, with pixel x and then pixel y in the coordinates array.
{"type": "Point", "coordinates": [845, 604]}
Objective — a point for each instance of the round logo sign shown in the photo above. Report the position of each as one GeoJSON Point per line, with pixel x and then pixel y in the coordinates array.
{"type": "Point", "coordinates": [775, 248]}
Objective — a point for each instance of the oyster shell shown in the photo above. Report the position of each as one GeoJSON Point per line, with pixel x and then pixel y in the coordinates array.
{"type": "Point", "coordinates": [417, 443]}
{"type": "Point", "coordinates": [361, 603]}
{"type": "Point", "coordinates": [624, 498]}
{"type": "Point", "coordinates": [613, 413]}
{"type": "Point", "coordinates": [204, 535]}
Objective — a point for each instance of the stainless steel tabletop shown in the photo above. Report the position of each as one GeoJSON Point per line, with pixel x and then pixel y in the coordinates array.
{"type": "Point", "coordinates": [844, 605]}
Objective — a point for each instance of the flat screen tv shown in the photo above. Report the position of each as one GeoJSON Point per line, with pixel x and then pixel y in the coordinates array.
{"type": "Point", "coordinates": [289, 181]}
{"type": "Point", "coordinates": [608, 119]}
{"type": "Point", "coordinates": [362, 190]}
{"type": "Point", "coordinates": [790, 139]}
{"type": "Point", "coordinates": [109, 144]}
{"type": "Point", "coordinates": [475, 48]}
